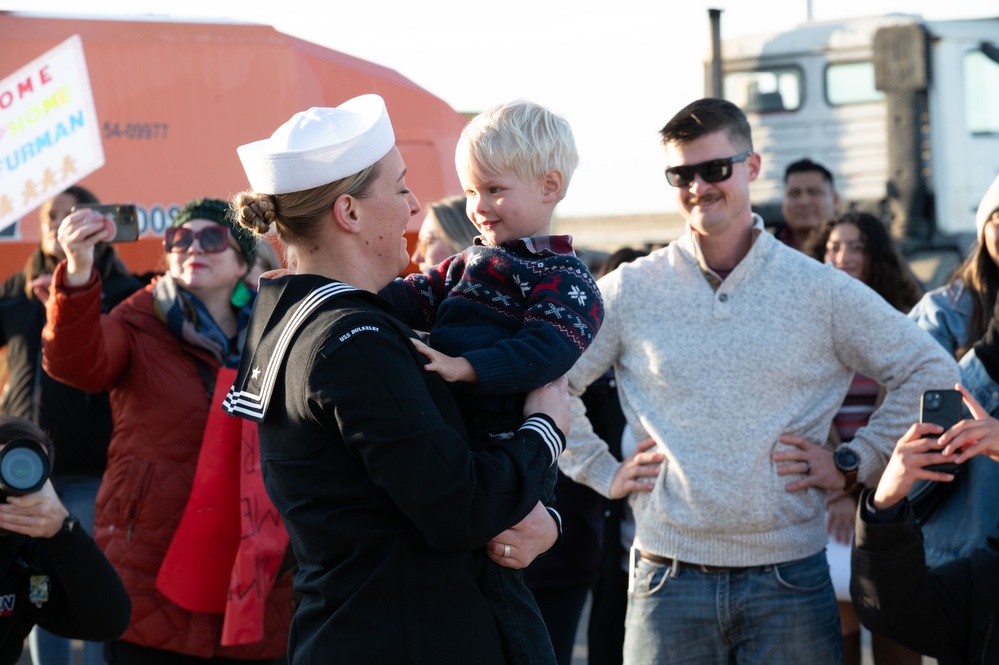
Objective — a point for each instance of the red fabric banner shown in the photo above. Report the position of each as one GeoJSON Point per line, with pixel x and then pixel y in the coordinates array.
{"type": "Point", "coordinates": [226, 552]}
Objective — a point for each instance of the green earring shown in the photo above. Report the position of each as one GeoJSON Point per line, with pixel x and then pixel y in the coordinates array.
{"type": "Point", "coordinates": [240, 295]}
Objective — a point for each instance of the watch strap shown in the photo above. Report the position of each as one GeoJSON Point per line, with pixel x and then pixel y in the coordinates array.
{"type": "Point", "coordinates": [851, 479]}
{"type": "Point", "coordinates": [849, 470]}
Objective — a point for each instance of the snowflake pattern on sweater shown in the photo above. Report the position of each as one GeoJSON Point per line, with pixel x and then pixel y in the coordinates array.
{"type": "Point", "coordinates": [521, 313]}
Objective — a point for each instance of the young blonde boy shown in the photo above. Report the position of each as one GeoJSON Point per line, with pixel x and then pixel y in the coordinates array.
{"type": "Point", "coordinates": [510, 313]}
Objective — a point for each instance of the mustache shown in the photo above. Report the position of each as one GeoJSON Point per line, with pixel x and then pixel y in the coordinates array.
{"type": "Point", "coordinates": [707, 198]}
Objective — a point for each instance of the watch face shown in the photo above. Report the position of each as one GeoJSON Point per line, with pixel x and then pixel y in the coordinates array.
{"type": "Point", "coordinates": [846, 459]}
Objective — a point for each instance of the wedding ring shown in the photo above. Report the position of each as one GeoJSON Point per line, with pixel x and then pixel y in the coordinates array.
{"type": "Point", "coordinates": [506, 551]}
{"type": "Point", "coordinates": [808, 468]}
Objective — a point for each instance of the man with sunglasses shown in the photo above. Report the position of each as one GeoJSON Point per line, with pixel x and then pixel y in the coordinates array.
{"type": "Point", "coordinates": [732, 354]}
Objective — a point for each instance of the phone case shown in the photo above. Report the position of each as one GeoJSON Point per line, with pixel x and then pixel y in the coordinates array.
{"type": "Point", "coordinates": [124, 215]}
{"type": "Point", "coordinates": [944, 408]}
{"type": "Point", "coordinates": [127, 224]}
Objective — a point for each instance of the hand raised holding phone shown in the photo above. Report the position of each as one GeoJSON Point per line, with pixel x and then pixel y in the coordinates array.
{"type": "Point", "coordinates": [944, 408]}
{"type": "Point", "coordinates": [971, 437]}
{"type": "Point", "coordinates": [124, 215]}
{"type": "Point", "coordinates": [928, 444]}
{"type": "Point", "coordinates": [79, 232]}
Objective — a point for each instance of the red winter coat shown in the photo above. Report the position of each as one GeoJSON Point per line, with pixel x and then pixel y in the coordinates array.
{"type": "Point", "coordinates": [159, 406]}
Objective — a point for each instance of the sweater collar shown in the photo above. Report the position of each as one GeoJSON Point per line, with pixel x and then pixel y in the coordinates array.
{"type": "Point", "coordinates": [284, 304]}
{"type": "Point", "coordinates": [539, 245]}
{"type": "Point", "coordinates": [695, 249]}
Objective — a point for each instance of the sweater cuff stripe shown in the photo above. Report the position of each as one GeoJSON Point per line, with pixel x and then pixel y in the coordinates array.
{"type": "Point", "coordinates": [550, 434]}
{"type": "Point", "coordinates": [557, 517]}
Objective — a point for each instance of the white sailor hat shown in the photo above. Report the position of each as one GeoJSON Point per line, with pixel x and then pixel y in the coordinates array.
{"type": "Point", "coordinates": [319, 146]}
{"type": "Point", "coordinates": [989, 204]}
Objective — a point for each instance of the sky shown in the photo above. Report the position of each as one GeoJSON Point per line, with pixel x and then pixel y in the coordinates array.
{"type": "Point", "coordinates": [616, 70]}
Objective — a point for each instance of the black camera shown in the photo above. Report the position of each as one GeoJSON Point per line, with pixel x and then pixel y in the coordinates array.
{"type": "Point", "coordinates": [24, 468]}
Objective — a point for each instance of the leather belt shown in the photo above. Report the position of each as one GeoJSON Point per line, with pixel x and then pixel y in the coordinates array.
{"type": "Point", "coordinates": [704, 568]}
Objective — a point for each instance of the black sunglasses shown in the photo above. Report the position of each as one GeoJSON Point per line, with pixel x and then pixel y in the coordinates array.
{"type": "Point", "coordinates": [715, 170]}
{"type": "Point", "coordinates": [213, 239]}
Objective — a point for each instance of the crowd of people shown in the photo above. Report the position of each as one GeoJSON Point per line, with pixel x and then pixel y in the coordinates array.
{"type": "Point", "coordinates": [715, 441]}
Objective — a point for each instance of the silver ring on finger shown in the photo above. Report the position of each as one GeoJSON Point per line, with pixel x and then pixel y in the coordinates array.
{"type": "Point", "coordinates": [506, 551]}
{"type": "Point", "coordinates": [808, 468]}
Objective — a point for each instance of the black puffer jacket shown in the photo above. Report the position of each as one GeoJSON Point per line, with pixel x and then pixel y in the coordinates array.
{"type": "Point", "coordinates": [63, 584]}
{"type": "Point", "coordinates": [948, 612]}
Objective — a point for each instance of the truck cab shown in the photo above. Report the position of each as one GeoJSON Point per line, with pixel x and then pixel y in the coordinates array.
{"type": "Point", "coordinates": [904, 112]}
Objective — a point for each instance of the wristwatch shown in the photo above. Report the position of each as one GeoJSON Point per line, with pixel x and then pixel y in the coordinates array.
{"type": "Point", "coordinates": [847, 461]}
{"type": "Point", "coordinates": [71, 522]}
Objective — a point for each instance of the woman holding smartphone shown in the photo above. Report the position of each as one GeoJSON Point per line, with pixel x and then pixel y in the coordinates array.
{"type": "Point", "coordinates": [949, 611]}
{"type": "Point", "coordinates": [959, 517]}
{"type": "Point", "coordinates": [158, 354]}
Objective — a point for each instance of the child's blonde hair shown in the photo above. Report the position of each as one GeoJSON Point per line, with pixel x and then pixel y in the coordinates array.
{"type": "Point", "coordinates": [518, 136]}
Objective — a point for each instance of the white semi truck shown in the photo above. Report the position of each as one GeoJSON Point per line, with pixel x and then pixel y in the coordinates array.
{"type": "Point", "coordinates": [903, 111]}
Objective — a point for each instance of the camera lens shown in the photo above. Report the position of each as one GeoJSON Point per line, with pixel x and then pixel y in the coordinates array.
{"type": "Point", "coordinates": [24, 467]}
{"type": "Point", "coordinates": [933, 400]}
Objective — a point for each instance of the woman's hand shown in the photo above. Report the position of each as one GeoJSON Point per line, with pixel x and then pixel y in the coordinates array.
{"type": "Point", "coordinates": [532, 536]}
{"type": "Point", "coordinates": [842, 515]}
{"type": "Point", "coordinates": [639, 471]}
{"type": "Point", "coordinates": [912, 453]}
{"type": "Point", "coordinates": [39, 514]}
{"type": "Point", "coordinates": [972, 437]}
{"type": "Point", "coordinates": [78, 234]}
{"type": "Point", "coordinates": [451, 369]}
{"type": "Point", "coordinates": [553, 401]}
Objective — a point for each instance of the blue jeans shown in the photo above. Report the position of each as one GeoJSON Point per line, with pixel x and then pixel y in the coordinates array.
{"type": "Point", "coordinates": [78, 494]}
{"type": "Point", "coordinates": [783, 614]}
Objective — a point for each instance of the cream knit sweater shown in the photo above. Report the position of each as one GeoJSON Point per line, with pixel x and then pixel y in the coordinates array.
{"type": "Point", "coordinates": [715, 377]}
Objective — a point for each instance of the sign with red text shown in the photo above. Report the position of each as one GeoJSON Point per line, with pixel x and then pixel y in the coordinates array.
{"type": "Point", "coordinates": [49, 134]}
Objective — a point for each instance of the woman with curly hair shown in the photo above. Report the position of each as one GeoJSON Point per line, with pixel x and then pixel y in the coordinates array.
{"type": "Point", "coordinates": [859, 244]}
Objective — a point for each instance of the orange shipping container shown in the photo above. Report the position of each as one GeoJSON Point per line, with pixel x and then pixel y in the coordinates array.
{"type": "Point", "coordinates": [174, 100]}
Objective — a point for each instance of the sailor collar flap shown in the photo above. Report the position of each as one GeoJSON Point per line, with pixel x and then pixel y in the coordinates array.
{"type": "Point", "coordinates": [251, 392]}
